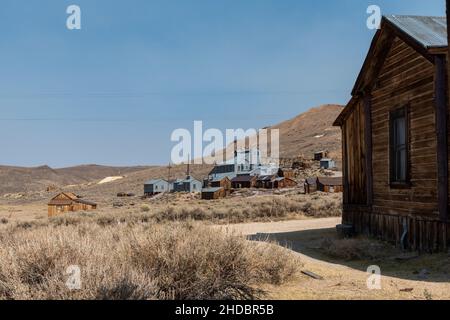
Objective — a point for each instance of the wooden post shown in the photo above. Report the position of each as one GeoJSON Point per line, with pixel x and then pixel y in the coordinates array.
{"type": "Point", "coordinates": [448, 28]}
{"type": "Point", "coordinates": [442, 138]}
{"type": "Point", "coordinates": [368, 146]}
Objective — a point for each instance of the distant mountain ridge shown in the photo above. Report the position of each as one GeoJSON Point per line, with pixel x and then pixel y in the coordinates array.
{"type": "Point", "coordinates": [21, 179]}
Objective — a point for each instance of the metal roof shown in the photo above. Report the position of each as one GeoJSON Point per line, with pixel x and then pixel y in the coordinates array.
{"type": "Point", "coordinates": [330, 181]}
{"type": "Point", "coordinates": [206, 190]}
{"type": "Point", "coordinates": [220, 176]}
{"type": "Point", "coordinates": [430, 32]}
{"type": "Point", "coordinates": [243, 178]}
{"type": "Point", "coordinates": [311, 181]}
{"type": "Point", "coordinates": [155, 181]}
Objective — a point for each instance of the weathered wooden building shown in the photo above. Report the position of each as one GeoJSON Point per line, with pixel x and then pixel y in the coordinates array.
{"type": "Point", "coordinates": [68, 202]}
{"type": "Point", "coordinates": [282, 182]}
{"type": "Point", "coordinates": [310, 185]}
{"type": "Point", "coordinates": [265, 181]}
{"type": "Point", "coordinates": [330, 184]}
{"type": "Point", "coordinates": [213, 193]}
{"type": "Point", "coordinates": [189, 184]}
{"type": "Point", "coordinates": [222, 182]}
{"type": "Point", "coordinates": [156, 186]}
{"type": "Point", "coordinates": [395, 136]}
{"type": "Point", "coordinates": [244, 182]}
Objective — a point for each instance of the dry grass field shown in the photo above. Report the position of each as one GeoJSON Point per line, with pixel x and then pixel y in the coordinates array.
{"type": "Point", "coordinates": [159, 248]}
{"type": "Point", "coordinates": [245, 206]}
{"type": "Point", "coordinates": [146, 261]}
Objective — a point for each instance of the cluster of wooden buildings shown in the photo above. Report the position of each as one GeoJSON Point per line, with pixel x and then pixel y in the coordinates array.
{"type": "Point", "coordinates": [323, 184]}
{"type": "Point", "coordinates": [216, 187]}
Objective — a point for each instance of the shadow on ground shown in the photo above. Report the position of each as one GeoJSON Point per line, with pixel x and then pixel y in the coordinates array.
{"type": "Point", "coordinates": [425, 267]}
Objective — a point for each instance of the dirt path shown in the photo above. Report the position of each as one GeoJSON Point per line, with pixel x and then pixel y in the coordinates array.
{"type": "Point", "coordinates": [346, 279]}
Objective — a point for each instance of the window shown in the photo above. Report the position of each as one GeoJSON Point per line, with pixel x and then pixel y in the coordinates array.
{"type": "Point", "coordinates": [399, 147]}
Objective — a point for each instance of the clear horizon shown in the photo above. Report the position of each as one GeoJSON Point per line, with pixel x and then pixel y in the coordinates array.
{"type": "Point", "coordinates": [112, 92]}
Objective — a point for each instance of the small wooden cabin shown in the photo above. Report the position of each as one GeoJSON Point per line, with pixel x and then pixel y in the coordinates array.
{"type": "Point", "coordinates": [222, 182]}
{"type": "Point", "coordinates": [156, 186]}
{"type": "Point", "coordinates": [190, 185]}
{"type": "Point", "coordinates": [282, 182]}
{"type": "Point", "coordinates": [244, 182]}
{"type": "Point", "coordinates": [310, 185]}
{"type": "Point", "coordinates": [213, 193]}
{"type": "Point", "coordinates": [330, 184]}
{"type": "Point", "coordinates": [395, 137]}
{"type": "Point", "coordinates": [265, 182]}
{"type": "Point", "coordinates": [68, 202]}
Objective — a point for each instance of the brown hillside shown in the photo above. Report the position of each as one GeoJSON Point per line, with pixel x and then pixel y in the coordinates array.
{"type": "Point", "coordinates": [310, 132]}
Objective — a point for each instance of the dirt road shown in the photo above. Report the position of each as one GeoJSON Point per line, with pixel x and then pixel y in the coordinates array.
{"type": "Point", "coordinates": [426, 277]}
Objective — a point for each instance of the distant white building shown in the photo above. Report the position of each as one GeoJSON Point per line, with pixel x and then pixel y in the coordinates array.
{"type": "Point", "coordinates": [245, 162]}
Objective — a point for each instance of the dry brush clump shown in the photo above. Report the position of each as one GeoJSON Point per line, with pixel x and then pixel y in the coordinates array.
{"type": "Point", "coordinates": [359, 248]}
{"type": "Point", "coordinates": [147, 261]}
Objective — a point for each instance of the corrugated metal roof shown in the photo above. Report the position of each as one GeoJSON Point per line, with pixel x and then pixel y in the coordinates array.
{"type": "Point", "coordinates": [431, 32]}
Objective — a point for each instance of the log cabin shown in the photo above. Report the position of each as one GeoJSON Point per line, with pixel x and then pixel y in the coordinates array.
{"type": "Point", "coordinates": [68, 202]}
{"type": "Point", "coordinates": [395, 137]}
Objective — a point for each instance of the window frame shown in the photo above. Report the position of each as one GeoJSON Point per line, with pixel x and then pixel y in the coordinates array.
{"type": "Point", "coordinates": [394, 115]}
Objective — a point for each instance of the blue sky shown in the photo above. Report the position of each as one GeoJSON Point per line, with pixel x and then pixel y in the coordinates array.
{"type": "Point", "coordinates": [113, 92]}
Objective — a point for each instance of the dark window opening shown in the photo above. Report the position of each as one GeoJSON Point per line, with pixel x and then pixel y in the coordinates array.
{"type": "Point", "coordinates": [399, 171]}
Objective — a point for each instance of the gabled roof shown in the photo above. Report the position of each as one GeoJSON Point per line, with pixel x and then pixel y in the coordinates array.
{"type": "Point", "coordinates": [426, 35]}
{"type": "Point", "coordinates": [70, 198]}
{"type": "Point", "coordinates": [266, 178]}
{"type": "Point", "coordinates": [208, 190]}
{"type": "Point", "coordinates": [430, 32]}
{"type": "Point", "coordinates": [244, 178]}
{"type": "Point", "coordinates": [155, 181]}
{"type": "Point", "coordinates": [311, 181]}
{"type": "Point", "coordinates": [188, 179]}
{"type": "Point", "coordinates": [222, 176]}
{"type": "Point", "coordinates": [330, 181]}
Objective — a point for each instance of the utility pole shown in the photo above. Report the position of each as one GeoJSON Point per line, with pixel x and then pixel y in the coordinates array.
{"type": "Point", "coordinates": [188, 167]}
{"type": "Point", "coordinates": [168, 174]}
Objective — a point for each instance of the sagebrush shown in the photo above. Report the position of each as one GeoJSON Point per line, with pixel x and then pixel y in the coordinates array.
{"type": "Point", "coordinates": [128, 261]}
